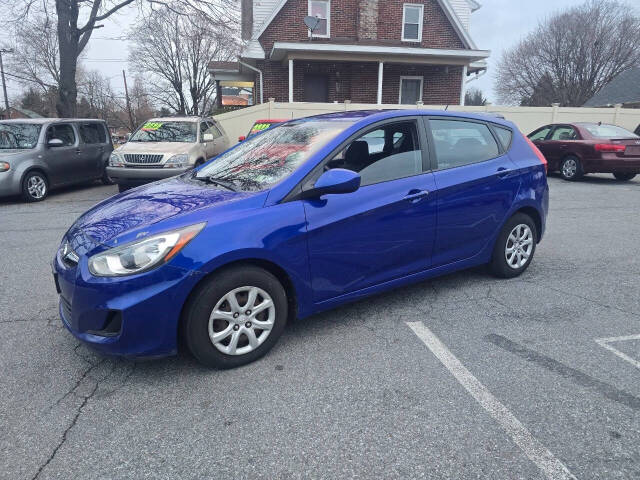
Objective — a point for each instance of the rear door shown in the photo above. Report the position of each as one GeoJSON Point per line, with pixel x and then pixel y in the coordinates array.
{"type": "Point", "coordinates": [65, 162]}
{"type": "Point", "coordinates": [476, 184]}
{"type": "Point", "coordinates": [94, 147]}
{"type": "Point", "coordinates": [385, 229]}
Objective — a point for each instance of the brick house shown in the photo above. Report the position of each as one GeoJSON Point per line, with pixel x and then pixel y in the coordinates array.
{"type": "Point", "coordinates": [366, 51]}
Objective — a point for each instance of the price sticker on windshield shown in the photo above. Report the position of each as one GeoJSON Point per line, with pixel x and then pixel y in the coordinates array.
{"type": "Point", "coordinates": [151, 126]}
{"type": "Point", "coordinates": [259, 127]}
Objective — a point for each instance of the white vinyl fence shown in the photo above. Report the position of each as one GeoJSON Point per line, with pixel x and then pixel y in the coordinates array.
{"type": "Point", "coordinates": [527, 119]}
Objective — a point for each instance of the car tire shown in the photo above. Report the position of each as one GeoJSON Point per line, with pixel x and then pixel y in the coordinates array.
{"type": "Point", "coordinates": [514, 247]}
{"type": "Point", "coordinates": [123, 188]}
{"type": "Point", "coordinates": [35, 187]}
{"type": "Point", "coordinates": [217, 332]}
{"type": "Point", "coordinates": [106, 179]}
{"type": "Point", "coordinates": [624, 177]}
{"type": "Point", "coordinates": [571, 168]}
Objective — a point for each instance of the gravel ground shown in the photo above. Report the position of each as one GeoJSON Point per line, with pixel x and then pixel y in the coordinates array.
{"type": "Point", "coordinates": [352, 393]}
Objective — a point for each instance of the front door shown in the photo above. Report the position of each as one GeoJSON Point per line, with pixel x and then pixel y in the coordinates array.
{"type": "Point", "coordinates": [316, 88]}
{"type": "Point", "coordinates": [558, 144]}
{"type": "Point", "coordinates": [385, 229]}
{"type": "Point", "coordinates": [476, 186]}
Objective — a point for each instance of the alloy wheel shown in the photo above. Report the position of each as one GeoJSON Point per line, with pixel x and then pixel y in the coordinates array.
{"type": "Point", "coordinates": [242, 320]}
{"type": "Point", "coordinates": [37, 187]}
{"type": "Point", "coordinates": [569, 168]}
{"type": "Point", "coordinates": [519, 246]}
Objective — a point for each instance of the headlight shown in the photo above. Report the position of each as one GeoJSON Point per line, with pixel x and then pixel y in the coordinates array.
{"type": "Point", "coordinates": [115, 160]}
{"type": "Point", "coordinates": [177, 161]}
{"type": "Point", "coordinates": [4, 166]}
{"type": "Point", "coordinates": [142, 255]}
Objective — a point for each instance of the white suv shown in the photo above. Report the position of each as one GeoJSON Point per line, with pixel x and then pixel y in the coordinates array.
{"type": "Point", "coordinates": [165, 147]}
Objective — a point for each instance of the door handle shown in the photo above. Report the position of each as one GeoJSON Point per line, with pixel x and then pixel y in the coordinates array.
{"type": "Point", "coordinates": [415, 195]}
{"type": "Point", "coordinates": [503, 172]}
{"type": "Point", "coordinates": [78, 151]}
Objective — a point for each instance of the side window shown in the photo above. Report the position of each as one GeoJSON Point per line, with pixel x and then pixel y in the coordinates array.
{"type": "Point", "coordinates": [387, 153]}
{"type": "Point", "coordinates": [505, 135]}
{"type": "Point", "coordinates": [204, 128]}
{"type": "Point", "coordinates": [564, 133]}
{"type": "Point", "coordinates": [214, 130]}
{"type": "Point", "coordinates": [459, 143]}
{"type": "Point", "coordinates": [92, 133]}
{"type": "Point", "coordinates": [540, 134]}
{"type": "Point", "coordinates": [209, 127]}
{"type": "Point", "coordinates": [62, 132]}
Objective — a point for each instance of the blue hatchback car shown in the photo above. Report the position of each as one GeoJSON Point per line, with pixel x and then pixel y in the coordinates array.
{"type": "Point", "coordinates": [302, 218]}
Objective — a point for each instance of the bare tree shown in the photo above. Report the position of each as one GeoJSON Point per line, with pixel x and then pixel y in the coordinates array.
{"type": "Point", "coordinates": [571, 55]}
{"type": "Point", "coordinates": [175, 49]}
{"type": "Point", "coordinates": [78, 19]}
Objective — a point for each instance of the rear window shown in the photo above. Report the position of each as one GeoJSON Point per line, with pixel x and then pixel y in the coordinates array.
{"type": "Point", "coordinates": [505, 135]}
{"type": "Point", "coordinates": [92, 133]}
{"type": "Point", "coordinates": [609, 131]}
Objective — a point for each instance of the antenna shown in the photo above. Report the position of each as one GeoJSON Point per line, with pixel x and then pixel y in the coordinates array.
{"type": "Point", "coordinates": [311, 23]}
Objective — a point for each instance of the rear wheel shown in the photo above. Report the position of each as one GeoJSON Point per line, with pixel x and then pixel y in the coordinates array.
{"type": "Point", "coordinates": [571, 168]}
{"type": "Point", "coordinates": [235, 318]}
{"type": "Point", "coordinates": [35, 187]}
{"type": "Point", "coordinates": [623, 177]}
{"type": "Point", "coordinates": [514, 247]}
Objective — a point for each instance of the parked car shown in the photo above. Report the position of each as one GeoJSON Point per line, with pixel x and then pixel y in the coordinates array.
{"type": "Point", "coordinates": [260, 126]}
{"type": "Point", "coordinates": [165, 147]}
{"type": "Point", "coordinates": [37, 155]}
{"type": "Point", "coordinates": [228, 253]}
{"type": "Point", "coordinates": [574, 149]}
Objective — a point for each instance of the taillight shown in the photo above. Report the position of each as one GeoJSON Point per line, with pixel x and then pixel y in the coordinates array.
{"type": "Point", "coordinates": [538, 153]}
{"type": "Point", "coordinates": [609, 147]}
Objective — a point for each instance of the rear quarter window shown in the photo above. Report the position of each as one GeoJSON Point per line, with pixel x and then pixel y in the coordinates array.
{"type": "Point", "coordinates": [505, 135]}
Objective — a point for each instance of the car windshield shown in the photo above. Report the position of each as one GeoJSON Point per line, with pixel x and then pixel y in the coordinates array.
{"type": "Point", "coordinates": [181, 132]}
{"type": "Point", "coordinates": [19, 135]}
{"type": "Point", "coordinates": [266, 159]}
{"type": "Point", "coordinates": [609, 131]}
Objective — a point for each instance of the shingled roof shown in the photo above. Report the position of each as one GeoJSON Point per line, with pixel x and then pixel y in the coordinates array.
{"type": "Point", "coordinates": [625, 89]}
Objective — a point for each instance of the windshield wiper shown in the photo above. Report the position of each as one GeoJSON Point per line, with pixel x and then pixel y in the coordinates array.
{"type": "Point", "coordinates": [218, 182]}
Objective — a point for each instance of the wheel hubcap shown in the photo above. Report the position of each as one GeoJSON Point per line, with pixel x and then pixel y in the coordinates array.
{"type": "Point", "coordinates": [569, 168]}
{"type": "Point", "coordinates": [37, 187]}
{"type": "Point", "coordinates": [241, 320]}
{"type": "Point", "coordinates": [519, 246]}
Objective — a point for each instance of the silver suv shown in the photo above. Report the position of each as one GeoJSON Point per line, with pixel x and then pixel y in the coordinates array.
{"type": "Point", "coordinates": [37, 155]}
{"type": "Point", "coordinates": [164, 147]}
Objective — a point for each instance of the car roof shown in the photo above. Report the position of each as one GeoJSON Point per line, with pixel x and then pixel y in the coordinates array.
{"type": "Point", "coordinates": [185, 118]}
{"type": "Point", "coordinates": [369, 116]}
{"type": "Point", "coordinates": [42, 121]}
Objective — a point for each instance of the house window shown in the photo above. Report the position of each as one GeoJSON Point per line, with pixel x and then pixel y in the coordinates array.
{"type": "Point", "coordinates": [412, 22]}
{"type": "Point", "coordinates": [410, 90]}
{"type": "Point", "coordinates": [321, 9]}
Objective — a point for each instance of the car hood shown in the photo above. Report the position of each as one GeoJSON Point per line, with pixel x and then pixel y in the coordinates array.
{"type": "Point", "coordinates": [156, 147]}
{"type": "Point", "coordinates": [156, 208]}
{"type": "Point", "coordinates": [12, 152]}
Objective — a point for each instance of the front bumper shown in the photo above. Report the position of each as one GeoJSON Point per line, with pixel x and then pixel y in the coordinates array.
{"type": "Point", "coordinates": [148, 307]}
{"type": "Point", "coordinates": [140, 176]}
{"type": "Point", "coordinates": [10, 183]}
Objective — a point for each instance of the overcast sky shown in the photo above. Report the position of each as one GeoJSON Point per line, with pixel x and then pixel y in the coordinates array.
{"type": "Point", "coordinates": [498, 25]}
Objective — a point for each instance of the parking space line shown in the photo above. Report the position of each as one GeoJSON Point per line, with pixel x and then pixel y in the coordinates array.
{"type": "Point", "coordinates": [552, 468]}
{"type": "Point", "coordinates": [604, 342]}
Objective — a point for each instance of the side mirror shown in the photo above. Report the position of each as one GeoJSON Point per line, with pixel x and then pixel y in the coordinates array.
{"type": "Point", "coordinates": [338, 180]}
{"type": "Point", "coordinates": [207, 137]}
{"type": "Point", "coordinates": [241, 138]}
{"type": "Point", "coordinates": [55, 142]}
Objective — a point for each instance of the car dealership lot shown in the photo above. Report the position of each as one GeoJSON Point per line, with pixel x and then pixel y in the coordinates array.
{"type": "Point", "coordinates": [353, 392]}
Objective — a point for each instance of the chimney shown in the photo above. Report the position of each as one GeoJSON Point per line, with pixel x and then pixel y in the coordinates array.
{"type": "Point", "coordinates": [368, 20]}
{"type": "Point", "coordinates": [247, 19]}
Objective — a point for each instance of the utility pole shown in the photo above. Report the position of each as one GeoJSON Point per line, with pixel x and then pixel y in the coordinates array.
{"type": "Point", "coordinates": [4, 82]}
{"type": "Point", "coordinates": [126, 95]}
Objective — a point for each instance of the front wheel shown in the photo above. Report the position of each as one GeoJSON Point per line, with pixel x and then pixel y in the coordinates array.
{"type": "Point", "coordinates": [571, 169]}
{"type": "Point", "coordinates": [235, 317]}
{"type": "Point", "coordinates": [35, 187]}
{"type": "Point", "coordinates": [514, 247]}
{"type": "Point", "coordinates": [624, 177]}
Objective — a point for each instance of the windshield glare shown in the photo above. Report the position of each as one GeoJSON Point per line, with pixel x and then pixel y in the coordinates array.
{"type": "Point", "coordinates": [609, 131]}
{"type": "Point", "coordinates": [182, 132]}
{"type": "Point", "coordinates": [268, 158]}
{"type": "Point", "coordinates": [19, 135]}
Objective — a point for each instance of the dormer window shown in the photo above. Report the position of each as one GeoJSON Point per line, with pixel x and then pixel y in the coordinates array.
{"type": "Point", "coordinates": [412, 22]}
{"type": "Point", "coordinates": [321, 9]}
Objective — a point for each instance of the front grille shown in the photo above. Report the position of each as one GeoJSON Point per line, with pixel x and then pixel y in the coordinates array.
{"type": "Point", "coordinates": [66, 308]}
{"type": "Point", "coordinates": [155, 165]}
{"type": "Point", "coordinates": [142, 158]}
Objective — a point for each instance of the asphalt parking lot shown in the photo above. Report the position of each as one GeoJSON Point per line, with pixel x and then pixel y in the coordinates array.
{"type": "Point", "coordinates": [465, 376]}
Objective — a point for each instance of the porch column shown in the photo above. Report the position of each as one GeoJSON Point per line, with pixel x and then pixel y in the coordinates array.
{"type": "Point", "coordinates": [380, 76]}
{"type": "Point", "coordinates": [464, 85]}
{"type": "Point", "coordinates": [290, 80]}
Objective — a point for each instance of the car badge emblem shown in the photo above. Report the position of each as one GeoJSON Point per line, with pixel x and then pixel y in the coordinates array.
{"type": "Point", "coordinates": [143, 158]}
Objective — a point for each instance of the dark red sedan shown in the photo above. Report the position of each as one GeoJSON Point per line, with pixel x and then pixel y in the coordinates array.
{"type": "Point", "coordinates": [574, 149]}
